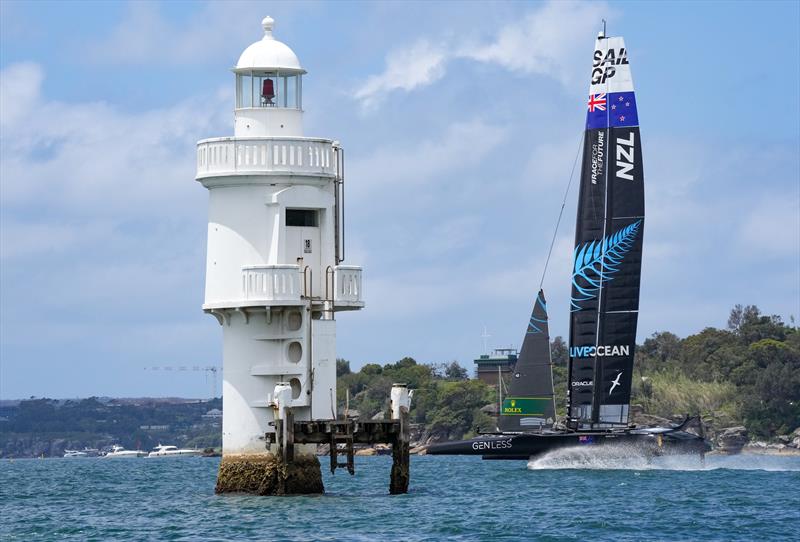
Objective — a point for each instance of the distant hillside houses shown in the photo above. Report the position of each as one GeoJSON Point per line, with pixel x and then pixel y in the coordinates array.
{"type": "Point", "coordinates": [46, 427]}
{"type": "Point", "coordinates": [213, 414]}
{"type": "Point", "coordinates": [154, 427]}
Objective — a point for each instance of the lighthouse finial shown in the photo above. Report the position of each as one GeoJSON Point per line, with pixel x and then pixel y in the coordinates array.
{"type": "Point", "coordinates": [268, 23]}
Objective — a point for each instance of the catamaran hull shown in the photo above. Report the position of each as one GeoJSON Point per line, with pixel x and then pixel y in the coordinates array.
{"type": "Point", "coordinates": [525, 446]}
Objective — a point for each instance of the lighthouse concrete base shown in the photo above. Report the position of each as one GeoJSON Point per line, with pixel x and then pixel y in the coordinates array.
{"type": "Point", "coordinates": [268, 474]}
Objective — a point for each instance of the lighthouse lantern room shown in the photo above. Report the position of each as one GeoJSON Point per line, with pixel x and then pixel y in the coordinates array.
{"type": "Point", "coordinates": [274, 272]}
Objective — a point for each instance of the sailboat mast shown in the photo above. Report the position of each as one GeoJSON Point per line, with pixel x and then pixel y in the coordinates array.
{"type": "Point", "coordinates": [598, 368]}
{"type": "Point", "coordinates": [552, 382]}
{"type": "Point", "coordinates": [499, 390]}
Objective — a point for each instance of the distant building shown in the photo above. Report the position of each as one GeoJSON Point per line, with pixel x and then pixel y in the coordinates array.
{"type": "Point", "coordinates": [501, 362]}
{"type": "Point", "coordinates": [213, 414]}
{"type": "Point", "coordinates": [154, 427]}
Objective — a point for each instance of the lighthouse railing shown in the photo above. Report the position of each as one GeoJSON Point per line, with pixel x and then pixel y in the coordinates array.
{"type": "Point", "coordinates": [265, 155]}
{"type": "Point", "coordinates": [348, 289]}
{"type": "Point", "coordinates": [271, 282]}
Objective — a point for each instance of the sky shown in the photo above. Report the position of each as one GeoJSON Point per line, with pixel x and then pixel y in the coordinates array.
{"type": "Point", "coordinates": [461, 122]}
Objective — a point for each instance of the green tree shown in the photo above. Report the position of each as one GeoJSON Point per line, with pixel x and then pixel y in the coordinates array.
{"type": "Point", "coordinates": [751, 326]}
{"type": "Point", "coordinates": [709, 355]}
{"type": "Point", "coordinates": [342, 367]}
{"type": "Point", "coordinates": [559, 354]}
{"type": "Point", "coordinates": [741, 314]}
{"type": "Point", "coordinates": [454, 371]}
{"type": "Point", "coordinates": [771, 387]}
{"type": "Point", "coordinates": [458, 407]}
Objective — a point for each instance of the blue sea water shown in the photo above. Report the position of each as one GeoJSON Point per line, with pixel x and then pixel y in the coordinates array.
{"type": "Point", "coordinates": [559, 497]}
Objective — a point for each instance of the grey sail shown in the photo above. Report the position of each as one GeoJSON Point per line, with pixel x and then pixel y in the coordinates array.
{"type": "Point", "coordinates": [530, 404]}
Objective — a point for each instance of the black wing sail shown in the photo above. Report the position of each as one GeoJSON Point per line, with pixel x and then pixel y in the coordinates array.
{"type": "Point", "coordinates": [530, 404]}
{"type": "Point", "coordinates": [608, 247]}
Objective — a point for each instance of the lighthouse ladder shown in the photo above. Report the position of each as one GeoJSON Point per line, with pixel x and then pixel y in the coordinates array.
{"type": "Point", "coordinates": [342, 435]}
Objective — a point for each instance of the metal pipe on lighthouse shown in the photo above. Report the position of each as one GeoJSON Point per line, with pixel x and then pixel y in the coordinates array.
{"type": "Point", "coordinates": [274, 273]}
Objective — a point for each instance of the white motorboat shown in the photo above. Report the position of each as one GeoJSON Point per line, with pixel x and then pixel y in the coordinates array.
{"type": "Point", "coordinates": [119, 452]}
{"type": "Point", "coordinates": [173, 451]}
{"type": "Point", "coordinates": [74, 453]}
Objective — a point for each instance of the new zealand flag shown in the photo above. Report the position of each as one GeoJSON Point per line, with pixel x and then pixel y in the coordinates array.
{"type": "Point", "coordinates": [614, 109]}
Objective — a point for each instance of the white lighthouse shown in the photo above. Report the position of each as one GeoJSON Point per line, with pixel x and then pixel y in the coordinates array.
{"type": "Point", "coordinates": [274, 278]}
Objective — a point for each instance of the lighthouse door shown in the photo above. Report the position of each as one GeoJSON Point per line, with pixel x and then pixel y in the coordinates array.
{"type": "Point", "coordinates": [303, 245]}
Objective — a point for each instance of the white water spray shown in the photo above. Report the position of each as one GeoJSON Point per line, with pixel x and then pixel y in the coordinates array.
{"type": "Point", "coordinates": [623, 457]}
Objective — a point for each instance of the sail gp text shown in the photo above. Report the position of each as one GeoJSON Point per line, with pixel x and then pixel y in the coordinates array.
{"type": "Point", "coordinates": [603, 65]}
{"type": "Point", "coordinates": [491, 444]}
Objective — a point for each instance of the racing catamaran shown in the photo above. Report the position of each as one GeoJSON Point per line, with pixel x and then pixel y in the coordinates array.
{"type": "Point", "coordinates": [604, 305]}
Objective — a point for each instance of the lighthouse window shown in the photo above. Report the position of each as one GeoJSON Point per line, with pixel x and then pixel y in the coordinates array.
{"type": "Point", "coordinates": [302, 217]}
{"type": "Point", "coordinates": [268, 89]}
{"type": "Point", "coordinates": [290, 91]}
{"type": "Point", "coordinates": [244, 91]}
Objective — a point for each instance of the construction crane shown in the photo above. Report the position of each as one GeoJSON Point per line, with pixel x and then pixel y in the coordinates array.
{"type": "Point", "coordinates": [211, 370]}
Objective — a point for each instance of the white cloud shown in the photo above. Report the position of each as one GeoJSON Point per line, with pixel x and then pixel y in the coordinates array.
{"type": "Point", "coordinates": [19, 92]}
{"type": "Point", "coordinates": [509, 282]}
{"type": "Point", "coordinates": [99, 206]}
{"type": "Point", "coordinates": [406, 69]}
{"type": "Point", "coordinates": [713, 237]}
{"type": "Point", "coordinates": [450, 235]}
{"type": "Point", "coordinates": [772, 226]}
{"type": "Point", "coordinates": [550, 41]}
{"type": "Point", "coordinates": [702, 236]}
{"type": "Point", "coordinates": [463, 144]}
{"type": "Point", "coordinates": [92, 157]}
{"type": "Point", "coordinates": [551, 161]}
{"type": "Point", "coordinates": [21, 239]}
{"type": "Point", "coordinates": [140, 37]}
{"type": "Point", "coordinates": [144, 36]}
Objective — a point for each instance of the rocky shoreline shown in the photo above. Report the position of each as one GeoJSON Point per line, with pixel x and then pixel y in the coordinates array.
{"type": "Point", "coordinates": [764, 448]}
{"type": "Point", "coordinates": [736, 440]}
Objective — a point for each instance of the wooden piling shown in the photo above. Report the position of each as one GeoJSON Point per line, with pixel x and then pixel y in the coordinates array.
{"type": "Point", "coordinates": [400, 474]}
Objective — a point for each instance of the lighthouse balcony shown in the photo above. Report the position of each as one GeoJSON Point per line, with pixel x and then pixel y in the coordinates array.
{"type": "Point", "coordinates": [348, 288]}
{"type": "Point", "coordinates": [285, 285]}
{"type": "Point", "coordinates": [226, 156]}
{"type": "Point", "coordinates": [272, 284]}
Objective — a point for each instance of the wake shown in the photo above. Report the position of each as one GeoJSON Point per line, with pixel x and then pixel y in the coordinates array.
{"type": "Point", "coordinates": [623, 457]}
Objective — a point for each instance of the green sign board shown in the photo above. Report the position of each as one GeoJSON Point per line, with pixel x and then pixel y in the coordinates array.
{"type": "Point", "coordinates": [525, 406]}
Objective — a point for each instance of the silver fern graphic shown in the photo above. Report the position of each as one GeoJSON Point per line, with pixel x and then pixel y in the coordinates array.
{"type": "Point", "coordinates": [596, 262]}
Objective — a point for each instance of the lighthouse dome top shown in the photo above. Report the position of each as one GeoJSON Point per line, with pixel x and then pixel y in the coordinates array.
{"type": "Point", "coordinates": [269, 54]}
